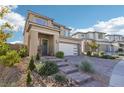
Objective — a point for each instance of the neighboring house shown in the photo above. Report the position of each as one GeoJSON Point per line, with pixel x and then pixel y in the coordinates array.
{"type": "Point", "coordinates": [90, 35]}
{"type": "Point", "coordinates": [107, 43]}
{"type": "Point", "coordinates": [115, 37]}
{"type": "Point", "coordinates": [118, 40]}
{"type": "Point", "coordinates": [45, 36]}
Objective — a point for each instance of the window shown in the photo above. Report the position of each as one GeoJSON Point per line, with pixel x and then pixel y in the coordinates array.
{"type": "Point", "coordinates": [56, 27]}
{"type": "Point", "coordinates": [82, 35]}
{"type": "Point", "coordinates": [66, 33]}
{"type": "Point", "coordinates": [40, 21]}
{"type": "Point", "coordinates": [100, 36]}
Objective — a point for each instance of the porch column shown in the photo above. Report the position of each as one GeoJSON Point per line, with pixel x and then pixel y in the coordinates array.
{"type": "Point", "coordinates": [56, 43]}
{"type": "Point", "coordinates": [33, 43]}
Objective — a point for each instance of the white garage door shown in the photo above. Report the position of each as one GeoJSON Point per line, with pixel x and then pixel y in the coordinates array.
{"type": "Point", "coordinates": [68, 49]}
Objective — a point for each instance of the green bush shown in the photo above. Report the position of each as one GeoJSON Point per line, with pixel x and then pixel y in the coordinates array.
{"type": "Point", "coordinates": [121, 54]}
{"type": "Point", "coordinates": [3, 49]}
{"type": "Point", "coordinates": [60, 78]}
{"type": "Point", "coordinates": [48, 68]}
{"type": "Point", "coordinates": [101, 53]}
{"type": "Point", "coordinates": [10, 58]}
{"type": "Point", "coordinates": [120, 50]}
{"type": "Point", "coordinates": [29, 79]}
{"type": "Point", "coordinates": [108, 57]}
{"type": "Point", "coordinates": [31, 65]}
{"type": "Point", "coordinates": [87, 67]}
{"type": "Point", "coordinates": [60, 54]}
{"type": "Point", "coordinates": [37, 57]}
{"type": "Point", "coordinates": [23, 52]}
{"type": "Point", "coordinates": [88, 53]}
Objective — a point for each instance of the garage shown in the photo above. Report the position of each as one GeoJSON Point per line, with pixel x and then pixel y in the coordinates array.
{"type": "Point", "coordinates": [68, 49]}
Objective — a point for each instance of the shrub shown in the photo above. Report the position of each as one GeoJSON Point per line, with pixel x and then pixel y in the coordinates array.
{"type": "Point", "coordinates": [10, 58]}
{"type": "Point", "coordinates": [3, 49]}
{"type": "Point", "coordinates": [37, 57]}
{"type": "Point", "coordinates": [48, 68]}
{"type": "Point", "coordinates": [101, 53]}
{"type": "Point", "coordinates": [88, 53]}
{"type": "Point", "coordinates": [31, 64]}
{"type": "Point", "coordinates": [121, 54]}
{"type": "Point", "coordinates": [108, 57]}
{"type": "Point", "coordinates": [120, 50]}
{"type": "Point", "coordinates": [87, 67]}
{"type": "Point", "coordinates": [60, 78]}
{"type": "Point", "coordinates": [29, 79]}
{"type": "Point", "coordinates": [60, 54]}
{"type": "Point", "coordinates": [23, 52]}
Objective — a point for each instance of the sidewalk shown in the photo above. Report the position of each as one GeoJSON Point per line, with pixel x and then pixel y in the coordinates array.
{"type": "Point", "coordinates": [117, 78]}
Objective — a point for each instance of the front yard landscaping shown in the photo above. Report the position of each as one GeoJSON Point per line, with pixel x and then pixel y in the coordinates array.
{"type": "Point", "coordinates": [102, 67]}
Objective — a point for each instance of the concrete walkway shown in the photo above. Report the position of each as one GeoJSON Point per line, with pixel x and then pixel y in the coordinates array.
{"type": "Point", "coordinates": [117, 78]}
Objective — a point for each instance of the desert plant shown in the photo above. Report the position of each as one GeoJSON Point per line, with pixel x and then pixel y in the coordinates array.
{"type": "Point", "coordinates": [60, 78]}
{"type": "Point", "coordinates": [101, 53]}
{"type": "Point", "coordinates": [37, 57]}
{"type": "Point", "coordinates": [86, 66]}
{"type": "Point", "coordinates": [31, 65]}
{"type": "Point", "coordinates": [60, 54]}
{"type": "Point", "coordinates": [23, 52]}
{"type": "Point", "coordinates": [88, 53]}
{"type": "Point", "coordinates": [48, 68]}
{"type": "Point", "coordinates": [29, 79]}
{"type": "Point", "coordinates": [10, 58]}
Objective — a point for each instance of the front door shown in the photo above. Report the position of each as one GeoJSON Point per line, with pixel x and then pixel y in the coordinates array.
{"type": "Point", "coordinates": [44, 47]}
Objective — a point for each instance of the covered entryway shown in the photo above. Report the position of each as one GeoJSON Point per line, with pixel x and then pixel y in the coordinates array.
{"type": "Point", "coordinates": [69, 49]}
{"type": "Point", "coordinates": [46, 46]}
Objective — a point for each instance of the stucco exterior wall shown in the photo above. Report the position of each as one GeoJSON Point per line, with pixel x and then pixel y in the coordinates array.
{"type": "Point", "coordinates": [33, 43]}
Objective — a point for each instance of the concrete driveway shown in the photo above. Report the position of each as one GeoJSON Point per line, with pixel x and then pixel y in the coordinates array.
{"type": "Point", "coordinates": [117, 78]}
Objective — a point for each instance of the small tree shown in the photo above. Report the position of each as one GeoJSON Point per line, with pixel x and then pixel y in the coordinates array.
{"type": "Point", "coordinates": [93, 45]}
{"type": "Point", "coordinates": [31, 64]}
{"type": "Point", "coordinates": [7, 56]}
{"type": "Point", "coordinates": [29, 79]}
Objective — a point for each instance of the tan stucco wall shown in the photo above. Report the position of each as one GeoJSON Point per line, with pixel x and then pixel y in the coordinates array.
{"type": "Point", "coordinates": [69, 40]}
{"type": "Point", "coordinates": [26, 38]}
{"type": "Point", "coordinates": [34, 40]}
{"type": "Point", "coordinates": [33, 43]}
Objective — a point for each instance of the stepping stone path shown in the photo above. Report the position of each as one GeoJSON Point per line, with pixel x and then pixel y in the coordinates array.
{"type": "Point", "coordinates": [72, 73]}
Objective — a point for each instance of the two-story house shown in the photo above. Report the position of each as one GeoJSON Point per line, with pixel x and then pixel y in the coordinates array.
{"type": "Point", "coordinates": [118, 40]}
{"type": "Point", "coordinates": [100, 38]}
{"type": "Point", "coordinates": [115, 37]}
{"type": "Point", "coordinates": [45, 36]}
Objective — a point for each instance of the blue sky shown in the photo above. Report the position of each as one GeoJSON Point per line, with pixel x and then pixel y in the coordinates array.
{"type": "Point", "coordinates": [109, 19]}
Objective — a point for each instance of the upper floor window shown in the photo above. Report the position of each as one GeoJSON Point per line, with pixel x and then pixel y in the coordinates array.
{"type": "Point", "coordinates": [66, 33]}
{"type": "Point", "coordinates": [40, 21]}
{"type": "Point", "coordinates": [82, 35]}
{"type": "Point", "coordinates": [100, 36]}
{"type": "Point", "coordinates": [56, 27]}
